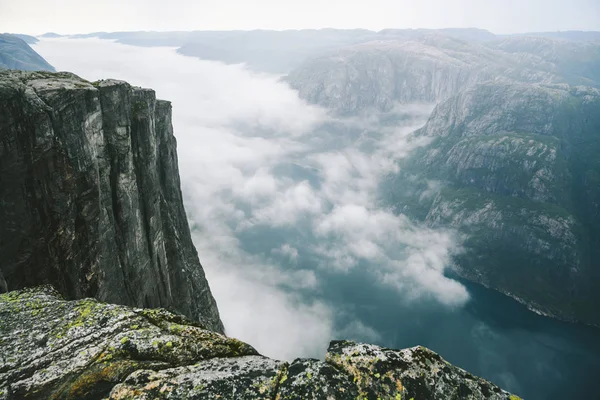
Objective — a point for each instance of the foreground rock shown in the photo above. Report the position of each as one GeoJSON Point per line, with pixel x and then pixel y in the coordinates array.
{"type": "Point", "coordinates": [52, 348]}
{"type": "Point", "coordinates": [90, 195]}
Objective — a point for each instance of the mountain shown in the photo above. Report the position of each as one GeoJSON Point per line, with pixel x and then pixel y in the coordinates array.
{"type": "Point", "coordinates": [51, 35]}
{"type": "Point", "coordinates": [90, 350]}
{"type": "Point", "coordinates": [574, 36]}
{"type": "Point", "coordinates": [280, 52]}
{"type": "Point", "coordinates": [27, 38]}
{"type": "Point", "coordinates": [577, 62]}
{"type": "Point", "coordinates": [428, 69]}
{"type": "Point", "coordinates": [261, 50]}
{"type": "Point", "coordinates": [466, 34]}
{"type": "Point", "coordinates": [516, 171]}
{"type": "Point", "coordinates": [15, 53]}
{"type": "Point", "coordinates": [90, 194]}
{"type": "Point", "coordinates": [511, 161]}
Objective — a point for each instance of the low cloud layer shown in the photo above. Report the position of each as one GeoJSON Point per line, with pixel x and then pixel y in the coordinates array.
{"type": "Point", "coordinates": [278, 194]}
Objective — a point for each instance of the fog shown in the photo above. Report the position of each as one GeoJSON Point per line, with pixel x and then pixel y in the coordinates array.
{"type": "Point", "coordinates": [298, 250]}
{"type": "Point", "coordinates": [271, 184]}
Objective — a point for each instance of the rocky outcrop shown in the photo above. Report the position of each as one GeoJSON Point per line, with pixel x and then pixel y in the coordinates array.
{"type": "Point", "coordinates": [15, 53]}
{"type": "Point", "coordinates": [516, 172]}
{"type": "Point", "coordinates": [52, 348]}
{"type": "Point", "coordinates": [90, 195]}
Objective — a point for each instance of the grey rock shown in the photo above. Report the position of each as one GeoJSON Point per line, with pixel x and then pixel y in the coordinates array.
{"type": "Point", "coordinates": [577, 61]}
{"type": "Point", "coordinates": [90, 195]}
{"type": "Point", "coordinates": [518, 175]}
{"type": "Point", "coordinates": [84, 349]}
{"type": "Point", "coordinates": [426, 69]}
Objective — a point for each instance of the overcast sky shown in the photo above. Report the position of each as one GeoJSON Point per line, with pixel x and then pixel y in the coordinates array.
{"type": "Point", "coordinates": [498, 16]}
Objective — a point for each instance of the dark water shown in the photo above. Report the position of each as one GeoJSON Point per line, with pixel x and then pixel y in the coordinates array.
{"type": "Point", "coordinates": [492, 336]}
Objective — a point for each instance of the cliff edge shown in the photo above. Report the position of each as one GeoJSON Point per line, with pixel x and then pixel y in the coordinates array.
{"type": "Point", "coordinates": [56, 349]}
{"type": "Point", "coordinates": [90, 195]}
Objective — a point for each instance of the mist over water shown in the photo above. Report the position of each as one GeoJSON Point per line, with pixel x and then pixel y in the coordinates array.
{"type": "Point", "coordinates": [282, 202]}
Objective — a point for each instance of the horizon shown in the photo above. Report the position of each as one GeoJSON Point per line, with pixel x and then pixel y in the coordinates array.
{"type": "Point", "coordinates": [474, 28]}
{"type": "Point", "coordinates": [500, 17]}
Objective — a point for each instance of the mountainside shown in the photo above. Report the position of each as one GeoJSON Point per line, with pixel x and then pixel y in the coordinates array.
{"type": "Point", "coordinates": [280, 52]}
{"type": "Point", "coordinates": [428, 69]}
{"type": "Point", "coordinates": [15, 53]}
{"type": "Point", "coordinates": [578, 63]}
{"type": "Point", "coordinates": [51, 348]}
{"type": "Point", "coordinates": [90, 195]}
{"type": "Point", "coordinates": [517, 170]}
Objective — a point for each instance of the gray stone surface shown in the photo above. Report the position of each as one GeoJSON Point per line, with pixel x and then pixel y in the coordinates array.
{"type": "Point", "coordinates": [56, 349]}
{"type": "Point", "coordinates": [90, 195]}
{"type": "Point", "coordinates": [379, 74]}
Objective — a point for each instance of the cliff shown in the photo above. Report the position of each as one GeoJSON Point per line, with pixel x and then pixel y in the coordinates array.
{"type": "Point", "coordinates": [15, 53]}
{"type": "Point", "coordinates": [52, 348]}
{"type": "Point", "coordinates": [90, 195]}
{"type": "Point", "coordinates": [418, 67]}
{"type": "Point", "coordinates": [426, 69]}
{"type": "Point", "coordinates": [518, 173]}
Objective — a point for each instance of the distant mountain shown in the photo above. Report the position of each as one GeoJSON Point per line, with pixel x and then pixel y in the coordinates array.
{"type": "Point", "coordinates": [429, 69]}
{"type": "Point", "coordinates": [512, 161]}
{"type": "Point", "coordinates": [15, 53]}
{"type": "Point", "coordinates": [280, 52]}
{"type": "Point", "coordinates": [467, 34]}
{"type": "Point", "coordinates": [577, 62]}
{"type": "Point", "coordinates": [27, 38]}
{"type": "Point", "coordinates": [576, 36]}
{"type": "Point", "coordinates": [51, 35]}
{"type": "Point", "coordinates": [517, 171]}
{"type": "Point", "coordinates": [267, 51]}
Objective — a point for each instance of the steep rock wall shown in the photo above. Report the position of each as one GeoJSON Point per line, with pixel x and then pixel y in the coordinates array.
{"type": "Point", "coordinates": [90, 195]}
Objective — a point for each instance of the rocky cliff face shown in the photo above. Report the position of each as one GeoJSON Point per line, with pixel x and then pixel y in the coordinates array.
{"type": "Point", "coordinates": [51, 348]}
{"type": "Point", "coordinates": [90, 196]}
{"type": "Point", "coordinates": [512, 162]}
{"type": "Point", "coordinates": [518, 173]}
{"type": "Point", "coordinates": [426, 69]}
{"type": "Point", "coordinates": [577, 62]}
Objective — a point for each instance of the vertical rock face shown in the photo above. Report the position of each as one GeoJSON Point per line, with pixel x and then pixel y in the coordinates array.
{"type": "Point", "coordinates": [518, 173]}
{"type": "Point", "coordinates": [90, 195]}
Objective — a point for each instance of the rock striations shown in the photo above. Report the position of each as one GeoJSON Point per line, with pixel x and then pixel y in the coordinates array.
{"type": "Point", "coordinates": [90, 195]}
{"type": "Point", "coordinates": [56, 349]}
{"type": "Point", "coordinates": [512, 162]}
{"type": "Point", "coordinates": [518, 173]}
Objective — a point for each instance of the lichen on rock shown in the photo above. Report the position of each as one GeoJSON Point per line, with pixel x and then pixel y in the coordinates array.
{"type": "Point", "coordinates": [51, 348]}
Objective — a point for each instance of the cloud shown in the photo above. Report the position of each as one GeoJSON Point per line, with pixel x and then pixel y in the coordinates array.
{"type": "Point", "coordinates": [288, 252]}
{"type": "Point", "coordinates": [277, 192]}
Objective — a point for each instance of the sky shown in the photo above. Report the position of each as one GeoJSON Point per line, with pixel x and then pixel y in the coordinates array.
{"type": "Point", "coordinates": [498, 16]}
